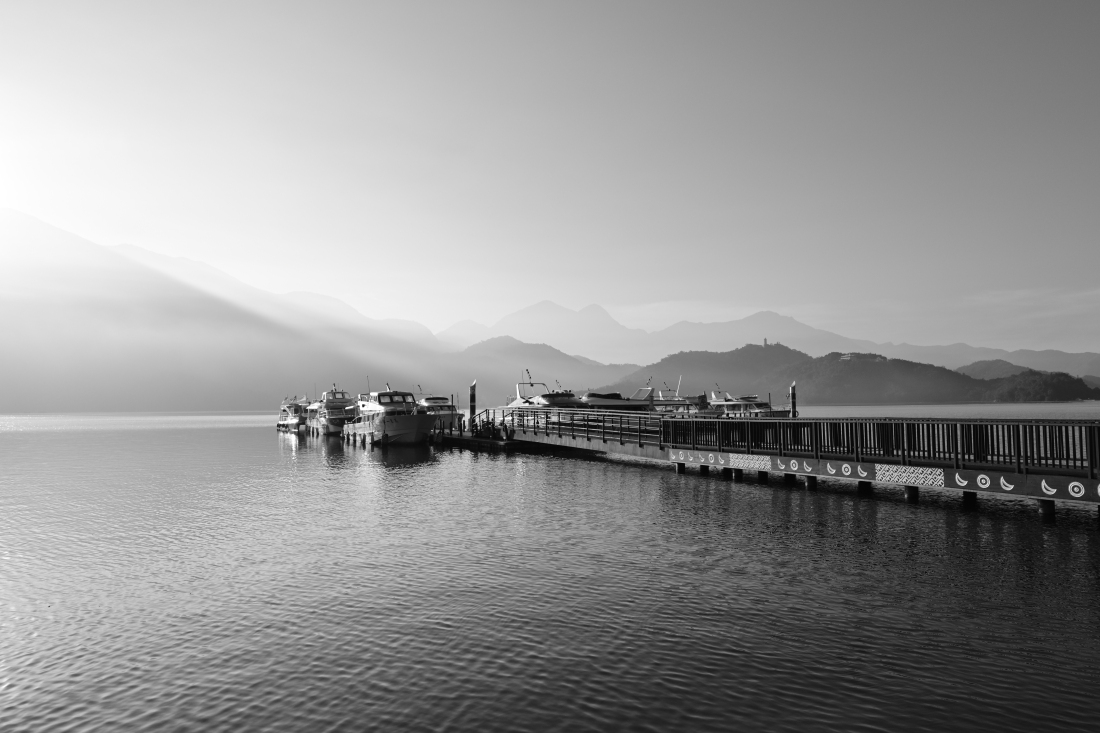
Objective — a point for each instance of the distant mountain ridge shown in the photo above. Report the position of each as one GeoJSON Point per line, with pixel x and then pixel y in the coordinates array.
{"type": "Point", "coordinates": [846, 378]}
{"type": "Point", "coordinates": [592, 331]}
{"type": "Point", "coordinates": [991, 369]}
{"type": "Point", "coordinates": [90, 329]}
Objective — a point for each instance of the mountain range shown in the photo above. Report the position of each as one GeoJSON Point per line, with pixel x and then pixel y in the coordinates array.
{"type": "Point", "coordinates": [851, 378]}
{"type": "Point", "coordinates": [592, 331]}
{"type": "Point", "coordinates": [94, 328]}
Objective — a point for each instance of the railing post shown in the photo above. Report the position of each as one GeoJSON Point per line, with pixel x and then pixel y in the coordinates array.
{"type": "Point", "coordinates": [639, 431]}
{"type": "Point", "coordinates": [956, 432]}
{"type": "Point", "coordinates": [692, 433]}
{"type": "Point", "coordinates": [748, 437]}
{"type": "Point", "coordinates": [1092, 437]}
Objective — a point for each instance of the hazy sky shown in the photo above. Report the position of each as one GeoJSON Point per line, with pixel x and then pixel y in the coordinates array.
{"type": "Point", "coordinates": [921, 171]}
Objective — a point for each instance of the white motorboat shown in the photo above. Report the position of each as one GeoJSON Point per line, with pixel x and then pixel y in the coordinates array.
{"type": "Point", "coordinates": [646, 399]}
{"type": "Point", "coordinates": [391, 417]}
{"type": "Point", "coordinates": [528, 395]}
{"type": "Point", "coordinates": [292, 414]}
{"type": "Point", "coordinates": [749, 405]}
{"type": "Point", "coordinates": [328, 415]}
{"type": "Point", "coordinates": [446, 414]}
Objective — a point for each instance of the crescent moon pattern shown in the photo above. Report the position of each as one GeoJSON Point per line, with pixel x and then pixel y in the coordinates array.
{"type": "Point", "coordinates": [861, 472]}
{"type": "Point", "coordinates": [1007, 486]}
{"type": "Point", "coordinates": [806, 467]}
{"type": "Point", "coordinates": [829, 468]}
{"type": "Point", "coordinates": [1049, 491]}
{"type": "Point", "coordinates": [959, 480]}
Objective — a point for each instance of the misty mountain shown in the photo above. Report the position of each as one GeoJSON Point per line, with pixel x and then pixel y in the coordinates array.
{"type": "Point", "coordinates": [304, 310]}
{"type": "Point", "coordinates": [593, 332]}
{"type": "Point", "coordinates": [846, 378]}
{"type": "Point", "coordinates": [991, 369]}
{"type": "Point", "coordinates": [590, 331]}
{"type": "Point", "coordinates": [86, 328]}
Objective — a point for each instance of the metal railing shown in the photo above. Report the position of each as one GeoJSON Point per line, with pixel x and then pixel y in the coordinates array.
{"type": "Point", "coordinates": [1058, 447]}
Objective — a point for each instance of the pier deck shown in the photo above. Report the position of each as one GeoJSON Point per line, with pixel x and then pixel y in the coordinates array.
{"type": "Point", "coordinates": [1042, 460]}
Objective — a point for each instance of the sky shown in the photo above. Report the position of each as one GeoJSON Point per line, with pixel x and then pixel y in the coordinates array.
{"type": "Point", "coordinates": [925, 172]}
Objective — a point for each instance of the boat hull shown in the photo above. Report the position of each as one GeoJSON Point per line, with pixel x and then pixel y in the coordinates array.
{"type": "Point", "coordinates": [393, 429]}
{"type": "Point", "coordinates": [327, 426]}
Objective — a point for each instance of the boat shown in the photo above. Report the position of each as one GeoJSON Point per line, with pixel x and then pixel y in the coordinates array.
{"type": "Point", "coordinates": [328, 415]}
{"type": "Point", "coordinates": [545, 397]}
{"type": "Point", "coordinates": [292, 414]}
{"type": "Point", "coordinates": [644, 399]}
{"type": "Point", "coordinates": [446, 414]}
{"type": "Point", "coordinates": [390, 417]}
{"type": "Point", "coordinates": [749, 405]}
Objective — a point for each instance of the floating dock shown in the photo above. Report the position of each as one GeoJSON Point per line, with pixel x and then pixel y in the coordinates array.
{"type": "Point", "coordinates": [1046, 461]}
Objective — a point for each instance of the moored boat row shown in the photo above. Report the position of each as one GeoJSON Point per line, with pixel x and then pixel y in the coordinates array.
{"type": "Point", "coordinates": [386, 417]}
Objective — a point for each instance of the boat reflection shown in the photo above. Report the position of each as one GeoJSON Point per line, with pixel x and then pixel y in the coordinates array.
{"type": "Point", "coordinates": [396, 456]}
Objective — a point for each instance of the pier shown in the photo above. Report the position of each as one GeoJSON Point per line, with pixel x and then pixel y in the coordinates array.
{"type": "Point", "coordinates": [1047, 461]}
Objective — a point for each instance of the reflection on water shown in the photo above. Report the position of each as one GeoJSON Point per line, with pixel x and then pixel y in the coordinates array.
{"type": "Point", "coordinates": [237, 577]}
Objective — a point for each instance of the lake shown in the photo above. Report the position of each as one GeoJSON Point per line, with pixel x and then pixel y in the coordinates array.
{"type": "Point", "coordinates": [208, 573]}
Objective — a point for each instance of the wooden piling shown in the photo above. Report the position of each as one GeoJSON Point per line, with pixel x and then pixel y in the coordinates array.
{"type": "Point", "coordinates": [912, 494]}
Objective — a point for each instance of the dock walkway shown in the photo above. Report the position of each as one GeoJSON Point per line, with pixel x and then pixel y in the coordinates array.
{"type": "Point", "coordinates": [1047, 461]}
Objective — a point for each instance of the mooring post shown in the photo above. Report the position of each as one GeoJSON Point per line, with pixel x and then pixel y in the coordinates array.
{"type": "Point", "coordinates": [738, 474]}
{"type": "Point", "coordinates": [704, 469]}
{"type": "Point", "coordinates": [1046, 509]}
{"type": "Point", "coordinates": [970, 500]}
{"type": "Point", "coordinates": [681, 467]}
{"type": "Point", "coordinates": [912, 494]}
{"type": "Point", "coordinates": [864, 488]}
{"type": "Point", "coordinates": [790, 478]}
{"type": "Point", "coordinates": [727, 474]}
{"type": "Point", "coordinates": [762, 476]}
{"type": "Point", "coordinates": [811, 482]}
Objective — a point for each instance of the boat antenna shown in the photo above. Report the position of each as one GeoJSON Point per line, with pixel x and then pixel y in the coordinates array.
{"type": "Point", "coordinates": [368, 384]}
{"type": "Point", "coordinates": [388, 388]}
{"type": "Point", "coordinates": [678, 384]}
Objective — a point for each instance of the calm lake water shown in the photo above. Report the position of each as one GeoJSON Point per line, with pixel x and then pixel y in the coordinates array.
{"type": "Point", "coordinates": [209, 573]}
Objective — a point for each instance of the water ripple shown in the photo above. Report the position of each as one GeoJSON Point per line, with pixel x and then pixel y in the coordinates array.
{"type": "Point", "coordinates": [234, 578]}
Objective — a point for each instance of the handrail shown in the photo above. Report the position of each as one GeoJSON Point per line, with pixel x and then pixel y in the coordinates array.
{"type": "Point", "coordinates": [1056, 447]}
